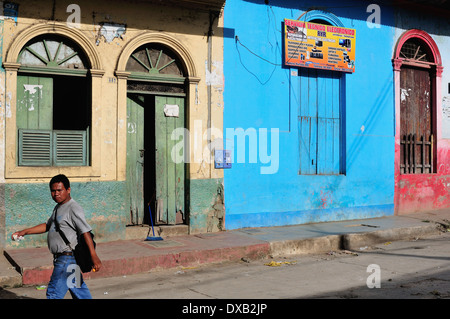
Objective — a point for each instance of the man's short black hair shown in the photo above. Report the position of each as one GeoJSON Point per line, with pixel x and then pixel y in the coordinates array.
{"type": "Point", "coordinates": [61, 178]}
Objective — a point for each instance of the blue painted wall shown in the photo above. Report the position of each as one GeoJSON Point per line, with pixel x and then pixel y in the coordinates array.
{"type": "Point", "coordinates": [259, 95]}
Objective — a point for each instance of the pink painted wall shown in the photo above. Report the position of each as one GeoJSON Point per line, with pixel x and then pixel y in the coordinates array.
{"type": "Point", "coordinates": [422, 192]}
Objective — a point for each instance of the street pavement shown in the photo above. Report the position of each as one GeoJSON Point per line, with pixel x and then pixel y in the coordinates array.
{"type": "Point", "coordinates": [127, 257]}
{"type": "Point", "coordinates": [417, 268]}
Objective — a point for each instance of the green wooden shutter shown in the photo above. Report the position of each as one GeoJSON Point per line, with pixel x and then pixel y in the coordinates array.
{"type": "Point", "coordinates": [38, 144]}
{"type": "Point", "coordinates": [34, 102]}
{"type": "Point", "coordinates": [35, 147]}
{"type": "Point", "coordinates": [52, 148]}
{"type": "Point", "coordinates": [69, 148]}
{"type": "Point", "coordinates": [34, 120]}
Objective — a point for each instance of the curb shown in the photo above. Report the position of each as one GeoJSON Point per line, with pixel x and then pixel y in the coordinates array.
{"type": "Point", "coordinates": [305, 246]}
{"type": "Point", "coordinates": [9, 277]}
{"type": "Point", "coordinates": [256, 250]}
{"type": "Point", "coordinates": [355, 241]}
{"type": "Point", "coordinates": [351, 241]}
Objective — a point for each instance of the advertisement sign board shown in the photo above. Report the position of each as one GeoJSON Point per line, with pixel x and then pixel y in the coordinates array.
{"type": "Point", "coordinates": [319, 46]}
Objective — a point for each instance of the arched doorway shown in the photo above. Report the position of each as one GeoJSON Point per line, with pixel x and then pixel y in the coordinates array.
{"type": "Point", "coordinates": [155, 173]}
{"type": "Point", "coordinates": [418, 71]}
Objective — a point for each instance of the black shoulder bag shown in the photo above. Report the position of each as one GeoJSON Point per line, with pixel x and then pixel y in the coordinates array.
{"type": "Point", "coordinates": [81, 252]}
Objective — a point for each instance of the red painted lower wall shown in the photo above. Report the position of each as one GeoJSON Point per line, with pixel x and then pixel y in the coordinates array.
{"type": "Point", "coordinates": [415, 193]}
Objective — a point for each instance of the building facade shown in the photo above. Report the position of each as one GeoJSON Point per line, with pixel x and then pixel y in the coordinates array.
{"type": "Point", "coordinates": [217, 115]}
{"type": "Point", "coordinates": [113, 95]}
{"type": "Point", "coordinates": [325, 143]}
{"type": "Point", "coordinates": [421, 62]}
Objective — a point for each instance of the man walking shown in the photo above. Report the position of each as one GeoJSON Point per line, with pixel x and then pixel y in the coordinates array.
{"type": "Point", "coordinates": [71, 220]}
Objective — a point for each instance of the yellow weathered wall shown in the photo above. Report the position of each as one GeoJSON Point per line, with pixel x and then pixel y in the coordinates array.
{"type": "Point", "coordinates": [189, 27]}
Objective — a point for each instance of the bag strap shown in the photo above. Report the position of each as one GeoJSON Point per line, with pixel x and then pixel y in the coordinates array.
{"type": "Point", "coordinates": [58, 229]}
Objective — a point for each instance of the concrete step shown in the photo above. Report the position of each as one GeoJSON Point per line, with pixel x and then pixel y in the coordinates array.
{"type": "Point", "coordinates": [9, 276]}
{"type": "Point", "coordinates": [142, 231]}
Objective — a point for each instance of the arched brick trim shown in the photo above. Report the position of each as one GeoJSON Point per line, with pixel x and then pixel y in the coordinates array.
{"type": "Point", "coordinates": [60, 29]}
{"type": "Point", "coordinates": [424, 37]}
{"type": "Point", "coordinates": [192, 80]}
{"type": "Point", "coordinates": [160, 38]}
{"type": "Point", "coordinates": [322, 15]}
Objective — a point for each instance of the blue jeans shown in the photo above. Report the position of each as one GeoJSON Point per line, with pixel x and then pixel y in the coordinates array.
{"type": "Point", "coordinates": [67, 276]}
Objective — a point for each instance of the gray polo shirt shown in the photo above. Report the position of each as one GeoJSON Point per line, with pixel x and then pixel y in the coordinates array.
{"type": "Point", "coordinates": [70, 218]}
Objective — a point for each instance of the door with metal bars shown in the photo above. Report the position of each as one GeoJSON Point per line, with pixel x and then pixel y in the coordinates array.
{"type": "Point", "coordinates": [416, 114]}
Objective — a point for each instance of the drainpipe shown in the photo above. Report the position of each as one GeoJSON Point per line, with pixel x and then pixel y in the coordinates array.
{"type": "Point", "coordinates": [213, 15]}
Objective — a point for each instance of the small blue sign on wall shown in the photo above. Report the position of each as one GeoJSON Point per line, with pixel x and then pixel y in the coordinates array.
{"type": "Point", "coordinates": [222, 159]}
{"type": "Point", "coordinates": [11, 10]}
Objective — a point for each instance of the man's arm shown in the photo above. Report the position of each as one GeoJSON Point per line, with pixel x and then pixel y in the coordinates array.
{"type": "Point", "coordinates": [38, 229]}
{"type": "Point", "coordinates": [97, 262]}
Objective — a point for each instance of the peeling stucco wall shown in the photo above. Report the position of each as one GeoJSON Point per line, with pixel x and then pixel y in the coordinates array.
{"type": "Point", "coordinates": [446, 115]}
{"type": "Point", "coordinates": [28, 205]}
{"type": "Point", "coordinates": [109, 26]}
{"type": "Point", "coordinates": [110, 31]}
{"type": "Point", "coordinates": [206, 204]}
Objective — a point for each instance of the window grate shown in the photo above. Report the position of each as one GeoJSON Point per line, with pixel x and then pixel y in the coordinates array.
{"type": "Point", "coordinates": [417, 154]}
{"type": "Point", "coordinates": [414, 50]}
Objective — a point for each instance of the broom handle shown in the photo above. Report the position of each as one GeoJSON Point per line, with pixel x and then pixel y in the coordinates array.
{"type": "Point", "coordinates": [149, 210]}
{"type": "Point", "coordinates": [151, 220]}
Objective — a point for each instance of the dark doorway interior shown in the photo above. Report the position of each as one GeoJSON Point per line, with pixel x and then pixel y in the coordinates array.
{"type": "Point", "coordinates": [148, 104]}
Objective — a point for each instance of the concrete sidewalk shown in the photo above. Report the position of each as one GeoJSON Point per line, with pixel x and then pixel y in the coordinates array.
{"type": "Point", "coordinates": [126, 257]}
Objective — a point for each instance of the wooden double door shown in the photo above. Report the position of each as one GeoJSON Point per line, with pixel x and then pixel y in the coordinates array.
{"type": "Point", "coordinates": [155, 174]}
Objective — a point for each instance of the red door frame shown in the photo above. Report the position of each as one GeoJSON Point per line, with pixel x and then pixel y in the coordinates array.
{"type": "Point", "coordinates": [421, 192]}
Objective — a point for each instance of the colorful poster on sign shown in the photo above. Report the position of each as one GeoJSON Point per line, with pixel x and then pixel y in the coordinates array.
{"type": "Point", "coordinates": [319, 46]}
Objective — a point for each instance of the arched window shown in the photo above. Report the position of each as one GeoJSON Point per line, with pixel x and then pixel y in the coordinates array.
{"type": "Point", "coordinates": [154, 68]}
{"type": "Point", "coordinates": [53, 112]}
{"type": "Point", "coordinates": [415, 50]}
{"type": "Point", "coordinates": [155, 59]}
{"type": "Point", "coordinates": [52, 52]}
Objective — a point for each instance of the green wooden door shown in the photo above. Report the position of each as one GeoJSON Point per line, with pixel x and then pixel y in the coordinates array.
{"type": "Point", "coordinates": [170, 199]}
{"type": "Point", "coordinates": [135, 157]}
{"type": "Point", "coordinates": [34, 102]}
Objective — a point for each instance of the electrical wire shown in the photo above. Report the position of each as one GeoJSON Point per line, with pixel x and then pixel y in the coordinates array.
{"type": "Point", "coordinates": [240, 59]}
{"type": "Point", "coordinates": [275, 64]}
{"type": "Point", "coordinates": [260, 57]}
